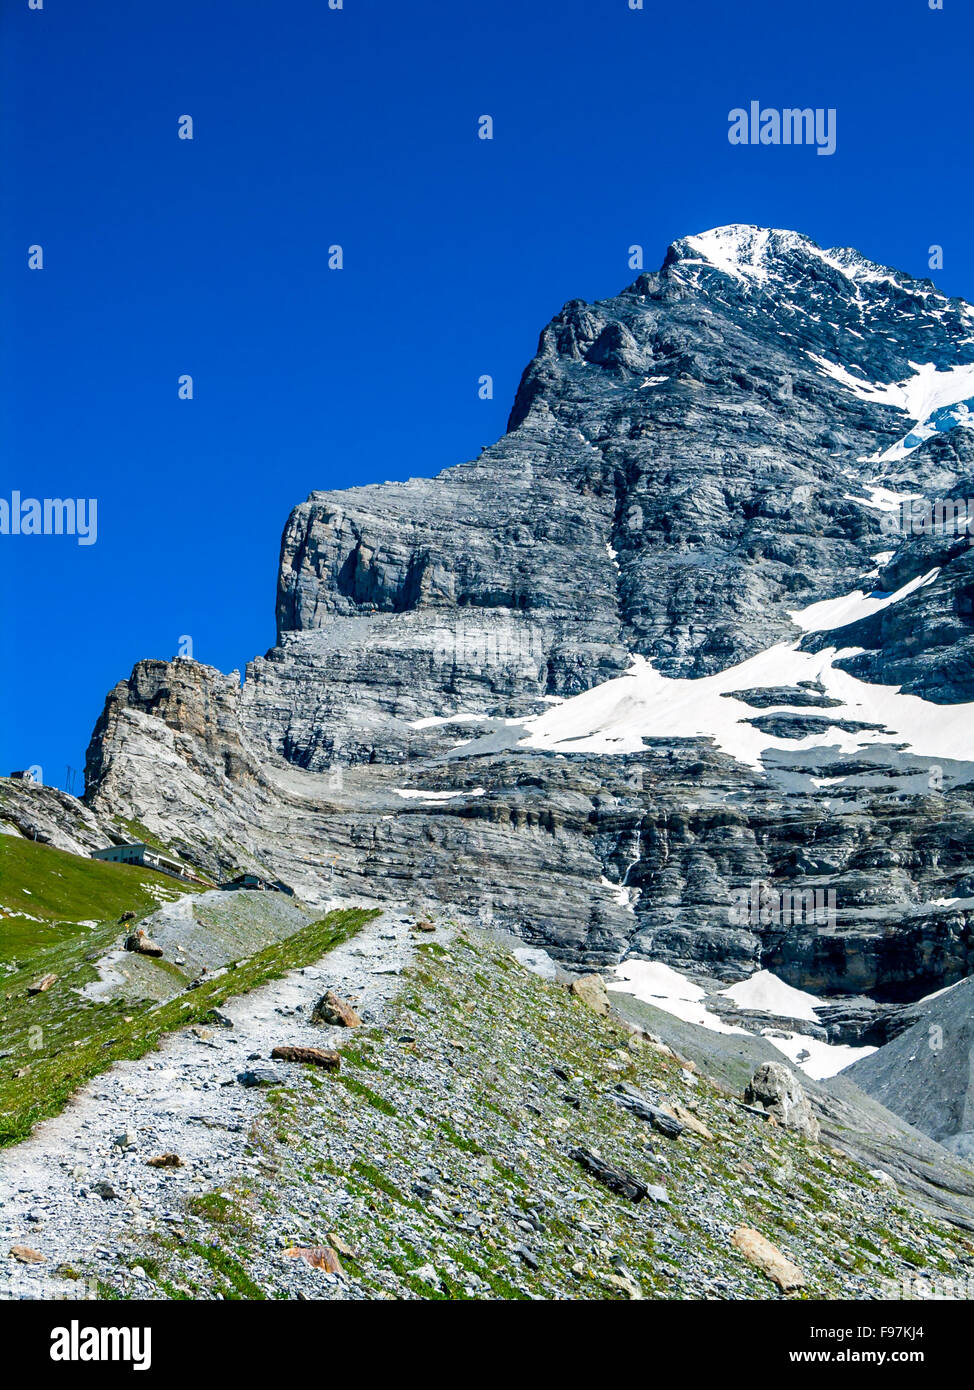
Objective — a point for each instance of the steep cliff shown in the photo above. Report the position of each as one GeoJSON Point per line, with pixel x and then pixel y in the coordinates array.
{"type": "Point", "coordinates": [668, 642]}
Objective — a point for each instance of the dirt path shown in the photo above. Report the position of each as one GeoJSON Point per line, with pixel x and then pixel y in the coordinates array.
{"type": "Point", "coordinates": [185, 1099]}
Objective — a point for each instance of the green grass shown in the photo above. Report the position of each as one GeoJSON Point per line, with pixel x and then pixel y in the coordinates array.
{"type": "Point", "coordinates": [64, 889]}
{"type": "Point", "coordinates": [371, 1097]}
{"type": "Point", "coordinates": [458, 1141]}
{"type": "Point", "coordinates": [382, 1184]}
{"type": "Point", "coordinates": [212, 1206]}
{"type": "Point", "coordinates": [237, 1283]}
{"type": "Point", "coordinates": [59, 1040]}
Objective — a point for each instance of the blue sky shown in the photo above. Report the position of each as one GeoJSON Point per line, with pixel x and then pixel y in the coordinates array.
{"type": "Point", "coordinates": [359, 127]}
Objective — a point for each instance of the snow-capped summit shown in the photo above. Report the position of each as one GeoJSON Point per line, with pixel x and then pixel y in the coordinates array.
{"type": "Point", "coordinates": [752, 252]}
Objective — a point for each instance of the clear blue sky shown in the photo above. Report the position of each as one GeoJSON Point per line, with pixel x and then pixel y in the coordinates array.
{"type": "Point", "coordinates": [359, 127]}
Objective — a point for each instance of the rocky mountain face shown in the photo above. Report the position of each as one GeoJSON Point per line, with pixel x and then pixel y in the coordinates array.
{"type": "Point", "coordinates": [668, 642]}
{"type": "Point", "coordinates": [926, 1074]}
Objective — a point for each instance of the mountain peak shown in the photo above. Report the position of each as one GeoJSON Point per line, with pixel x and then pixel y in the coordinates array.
{"type": "Point", "coordinates": [739, 248]}
{"type": "Point", "coordinates": [750, 252]}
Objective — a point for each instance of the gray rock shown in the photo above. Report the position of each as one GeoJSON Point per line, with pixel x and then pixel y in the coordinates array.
{"type": "Point", "coordinates": [618, 1180]}
{"type": "Point", "coordinates": [641, 1106]}
{"type": "Point", "coordinates": [527, 1256]}
{"type": "Point", "coordinates": [260, 1076]}
{"type": "Point", "coordinates": [774, 1087]}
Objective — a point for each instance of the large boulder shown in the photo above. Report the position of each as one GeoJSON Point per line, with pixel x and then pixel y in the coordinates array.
{"type": "Point", "coordinates": [591, 991]}
{"type": "Point", "coordinates": [142, 944]}
{"type": "Point", "coordinates": [778, 1091]}
{"type": "Point", "coordinates": [767, 1257]}
{"type": "Point", "coordinates": [336, 1012]}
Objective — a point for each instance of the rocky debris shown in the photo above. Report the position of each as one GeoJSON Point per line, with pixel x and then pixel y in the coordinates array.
{"type": "Point", "coordinates": [661, 1118]}
{"type": "Point", "coordinates": [615, 1179]}
{"type": "Point", "coordinates": [166, 1160]}
{"type": "Point", "coordinates": [768, 1258]}
{"type": "Point", "coordinates": [317, 1256]}
{"type": "Point", "coordinates": [52, 817]}
{"type": "Point", "coordinates": [687, 1119]}
{"type": "Point", "coordinates": [204, 934]}
{"type": "Point", "coordinates": [335, 1012]}
{"type": "Point", "coordinates": [140, 942]}
{"type": "Point", "coordinates": [442, 1158]}
{"type": "Point", "coordinates": [260, 1076]}
{"type": "Point", "coordinates": [851, 1121]}
{"type": "Point", "coordinates": [591, 991]}
{"type": "Point", "coordinates": [778, 1091]}
{"type": "Point", "coordinates": [314, 1056]}
{"type": "Point", "coordinates": [26, 1255]}
{"type": "Point", "coordinates": [176, 1099]}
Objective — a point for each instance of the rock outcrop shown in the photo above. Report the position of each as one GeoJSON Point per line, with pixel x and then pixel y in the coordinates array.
{"type": "Point", "coordinates": [142, 944]}
{"type": "Point", "coordinates": [776, 1089]}
{"type": "Point", "coordinates": [51, 817]}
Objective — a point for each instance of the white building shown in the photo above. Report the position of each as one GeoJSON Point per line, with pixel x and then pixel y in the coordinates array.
{"type": "Point", "coordinates": [138, 853]}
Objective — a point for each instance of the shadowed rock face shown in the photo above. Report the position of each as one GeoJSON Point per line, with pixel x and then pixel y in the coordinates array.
{"type": "Point", "coordinates": [686, 464]}
{"type": "Point", "coordinates": [926, 1074]}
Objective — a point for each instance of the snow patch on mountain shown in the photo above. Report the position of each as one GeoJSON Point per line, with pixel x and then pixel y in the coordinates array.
{"type": "Point", "coordinates": [850, 608]}
{"type": "Point", "coordinates": [882, 499]}
{"type": "Point", "coordinates": [934, 399]}
{"type": "Point", "coordinates": [817, 1059]}
{"type": "Point", "coordinates": [954, 416]}
{"type": "Point", "coordinates": [616, 716]}
{"type": "Point", "coordinates": [661, 985]}
{"type": "Point", "coordinates": [412, 794]}
{"type": "Point", "coordinates": [665, 988]}
{"type": "Point", "coordinates": [737, 250]}
{"type": "Point", "coordinates": [767, 993]}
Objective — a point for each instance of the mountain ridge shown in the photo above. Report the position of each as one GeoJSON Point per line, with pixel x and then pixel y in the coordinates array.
{"type": "Point", "coordinates": [682, 476]}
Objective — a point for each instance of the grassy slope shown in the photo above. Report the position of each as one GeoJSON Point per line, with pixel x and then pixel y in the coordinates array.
{"type": "Point", "coordinates": [62, 890]}
{"type": "Point", "coordinates": [340, 1153]}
